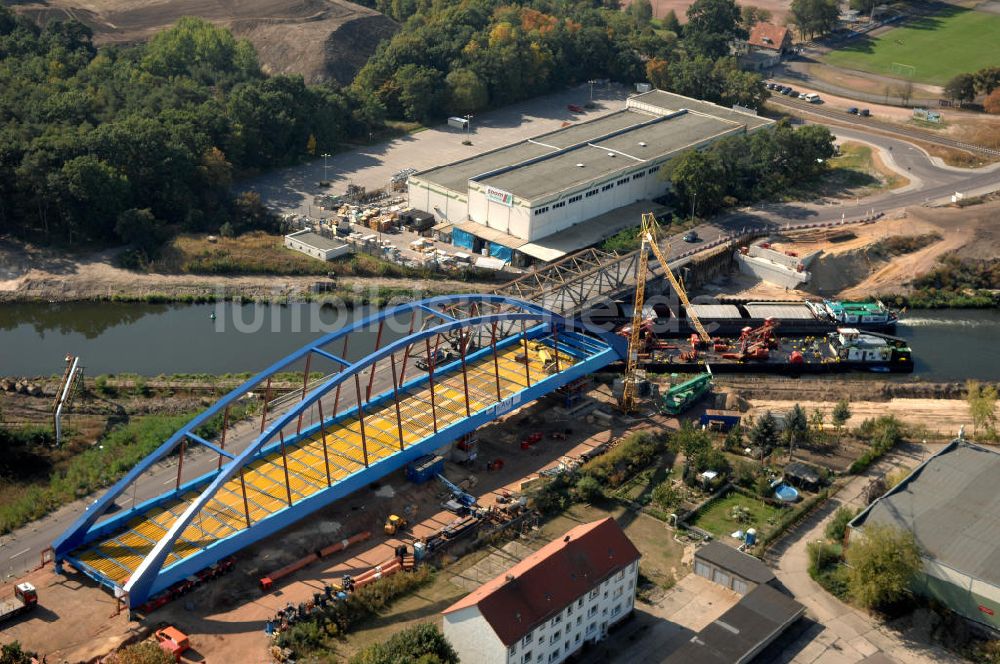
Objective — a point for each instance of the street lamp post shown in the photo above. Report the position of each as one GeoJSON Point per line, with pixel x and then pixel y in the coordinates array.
{"type": "Point", "coordinates": [591, 82]}
{"type": "Point", "coordinates": [326, 167]}
{"type": "Point", "coordinates": [468, 127]}
{"type": "Point", "coordinates": [694, 199]}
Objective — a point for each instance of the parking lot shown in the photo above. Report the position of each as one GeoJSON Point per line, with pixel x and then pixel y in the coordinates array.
{"type": "Point", "coordinates": [291, 190]}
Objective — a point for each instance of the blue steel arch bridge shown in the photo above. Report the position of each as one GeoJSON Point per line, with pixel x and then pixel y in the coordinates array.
{"type": "Point", "coordinates": [439, 368]}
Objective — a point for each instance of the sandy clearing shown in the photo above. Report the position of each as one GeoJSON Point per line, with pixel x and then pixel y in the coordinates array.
{"type": "Point", "coordinates": [941, 416]}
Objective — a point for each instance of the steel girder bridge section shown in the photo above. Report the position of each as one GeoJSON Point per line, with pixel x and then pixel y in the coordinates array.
{"type": "Point", "coordinates": [440, 368]}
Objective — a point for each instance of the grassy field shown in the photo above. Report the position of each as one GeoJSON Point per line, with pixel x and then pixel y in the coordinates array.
{"type": "Point", "coordinates": [951, 42]}
{"type": "Point", "coordinates": [716, 517]}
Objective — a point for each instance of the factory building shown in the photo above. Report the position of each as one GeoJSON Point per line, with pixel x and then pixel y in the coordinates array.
{"type": "Point", "coordinates": [547, 196]}
{"type": "Point", "coordinates": [950, 504]}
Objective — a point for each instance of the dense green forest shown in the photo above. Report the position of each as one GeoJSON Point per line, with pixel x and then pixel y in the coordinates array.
{"type": "Point", "coordinates": [460, 57]}
{"type": "Point", "coordinates": [136, 143]}
{"type": "Point", "coordinates": [132, 143]}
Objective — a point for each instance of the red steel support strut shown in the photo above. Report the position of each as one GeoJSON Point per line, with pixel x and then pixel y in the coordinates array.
{"type": "Point", "coordinates": [284, 465]}
{"type": "Point", "coordinates": [395, 398]}
{"type": "Point", "coordinates": [361, 418]}
{"type": "Point", "coordinates": [322, 434]}
{"type": "Point", "coordinates": [430, 380]}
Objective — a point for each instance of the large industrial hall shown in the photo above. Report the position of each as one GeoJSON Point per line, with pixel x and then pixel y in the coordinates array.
{"type": "Point", "coordinates": [548, 196]}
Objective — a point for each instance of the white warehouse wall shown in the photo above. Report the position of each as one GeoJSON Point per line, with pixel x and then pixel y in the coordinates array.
{"type": "Point", "coordinates": [445, 205]}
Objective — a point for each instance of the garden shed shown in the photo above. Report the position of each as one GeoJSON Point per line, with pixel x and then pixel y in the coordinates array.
{"type": "Point", "coordinates": [803, 476]}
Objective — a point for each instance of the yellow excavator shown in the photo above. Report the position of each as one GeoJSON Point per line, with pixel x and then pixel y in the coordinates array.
{"type": "Point", "coordinates": [650, 242]}
{"type": "Point", "coordinates": [394, 524]}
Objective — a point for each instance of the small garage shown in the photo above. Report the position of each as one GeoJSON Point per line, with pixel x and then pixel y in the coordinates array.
{"type": "Point", "coordinates": [730, 568]}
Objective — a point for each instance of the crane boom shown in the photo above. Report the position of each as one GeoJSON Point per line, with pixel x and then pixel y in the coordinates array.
{"type": "Point", "coordinates": [692, 316]}
{"type": "Point", "coordinates": [649, 242]}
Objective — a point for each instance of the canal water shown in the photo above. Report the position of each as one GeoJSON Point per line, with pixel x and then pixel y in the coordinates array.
{"type": "Point", "coordinates": [151, 339]}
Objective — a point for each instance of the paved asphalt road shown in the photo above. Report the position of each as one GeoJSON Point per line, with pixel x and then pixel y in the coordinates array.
{"type": "Point", "coordinates": [292, 188]}
{"type": "Point", "coordinates": [862, 123]}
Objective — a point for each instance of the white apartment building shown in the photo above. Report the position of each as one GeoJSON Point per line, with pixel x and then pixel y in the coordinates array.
{"type": "Point", "coordinates": [545, 608]}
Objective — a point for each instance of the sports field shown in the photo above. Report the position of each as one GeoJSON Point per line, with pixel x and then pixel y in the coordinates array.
{"type": "Point", "coordinates": [930, 49]}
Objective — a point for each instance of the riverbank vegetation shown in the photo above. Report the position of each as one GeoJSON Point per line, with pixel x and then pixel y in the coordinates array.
{"type": "Point", "coordinates": [40, 478]}
{"type": "Point", "coordinates": [955, 283]}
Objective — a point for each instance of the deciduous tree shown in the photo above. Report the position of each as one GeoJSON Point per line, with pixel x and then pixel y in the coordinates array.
{"type": "Point", "coordinates": [883, 561]}
{"type": "Point", "coordinates": [961, 87]}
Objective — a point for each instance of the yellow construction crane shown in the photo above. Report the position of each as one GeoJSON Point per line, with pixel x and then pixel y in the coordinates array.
{"type": "Point", "coordinates": [648, 234]}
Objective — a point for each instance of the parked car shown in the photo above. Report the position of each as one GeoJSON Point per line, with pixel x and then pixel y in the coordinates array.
{"type": "Point", "coordinates": [803, 95]}
{"type": "Point", "coordinates": [691, 236]}
{"type": "Point", "coordinates": [785, 90]}
{"type": "Point", "coordinates": [864, 112]}
{"type": "Point", "coordinates": [853, 110]}
{"type": "Point", "coordinates": [813, 98]}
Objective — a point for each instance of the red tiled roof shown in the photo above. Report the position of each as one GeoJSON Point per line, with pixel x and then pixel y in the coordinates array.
{"type": "Point", "coordinates": [768, 35]}
{"type": "Point", "coordinates": [549, 579]}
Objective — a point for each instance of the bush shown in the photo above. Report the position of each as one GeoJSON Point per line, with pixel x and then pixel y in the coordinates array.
{"type": "Point", "coordinates": [634, 453]}
{"type": "Point", "coordinates": [340, 617]}
{"type": "Point", "coordinates": [423, 644]}
{"type": "Point", "coordinates": [837, 526]}
{"type": "Point", "coordinates": [145, 652]}
{"type": "Point", "coordinates": [883, 434]}
{"type": "Point", "coordinates": [822, 555]}
{"type": "Point", "coordinates": [588, 489]}
{"type": "Point", "coordinates": [666, 495]}
{"type": "Point", "coordinates": [883, 561]}
{"type": "Point", "coordinates": [12, 653]}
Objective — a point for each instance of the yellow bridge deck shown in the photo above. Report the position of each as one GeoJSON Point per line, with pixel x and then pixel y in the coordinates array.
{"type": "Point", "coordinates": [117, 556]}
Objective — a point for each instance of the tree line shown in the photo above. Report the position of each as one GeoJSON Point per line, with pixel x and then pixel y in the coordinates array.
{"type": "Point", "coordinates": [748, 167]}
{"type": "Point", "coordinates": [459, 58]}
{"type": "Point", "coordinates": [134, 143]}
{"type": "Point", "coordinates": [131, 143]}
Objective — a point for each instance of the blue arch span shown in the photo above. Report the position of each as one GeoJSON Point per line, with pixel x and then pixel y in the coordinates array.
{"type": "Point", "coordinates": [150, 577]}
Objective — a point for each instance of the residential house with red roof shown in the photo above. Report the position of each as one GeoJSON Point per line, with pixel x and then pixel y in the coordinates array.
{"type": "Point", "coordinates": [764, 47]}
{"type": "Point", "coordinates": [546, 607]}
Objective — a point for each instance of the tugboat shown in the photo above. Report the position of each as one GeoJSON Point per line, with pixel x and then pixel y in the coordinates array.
{"type": "Point", "coordinates": [865, 315]}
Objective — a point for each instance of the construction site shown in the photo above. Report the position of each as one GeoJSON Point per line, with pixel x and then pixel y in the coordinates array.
{"type": "Point", "coordinates": [428, 444]}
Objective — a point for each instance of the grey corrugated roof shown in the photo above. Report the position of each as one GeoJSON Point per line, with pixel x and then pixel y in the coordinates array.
{"type": "Point", "coordinates": [317, 241]}
{"type": "Point", "coordinates": [741, 564]}
{"type": "Point", "coordinates": [669, 101]}
{"type": "Point", "coordinates": [740, 633]}
{"type": "Point", "coordinates": [952, 506]}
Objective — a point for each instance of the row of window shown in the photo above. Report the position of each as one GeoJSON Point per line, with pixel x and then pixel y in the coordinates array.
{"type": "Point", "coordinates": [594, 192]}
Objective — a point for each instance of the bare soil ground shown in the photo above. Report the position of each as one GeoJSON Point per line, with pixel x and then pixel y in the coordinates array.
{"type": "Point", "coordinates": [320, 39]}
{"type": "Point", "coordinates": [779, 8]}
{"type": "Point", "coordinates": [939, 416]}
{"type": "Point", "coordinates": [34, 273]}
{"type": "Point", "coordinates": [848, 268]}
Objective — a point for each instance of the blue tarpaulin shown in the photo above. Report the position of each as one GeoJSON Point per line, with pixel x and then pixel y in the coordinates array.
{"type": "Point", "coordinates": [501, 252]}
{"type": "Point", "coordinates": [461, 238]}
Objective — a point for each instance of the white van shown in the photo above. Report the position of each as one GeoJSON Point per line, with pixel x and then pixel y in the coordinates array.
{"type": "Point", "coordinates": [458, 123]}
{"type": "Point", "coordinates": [812, 98]}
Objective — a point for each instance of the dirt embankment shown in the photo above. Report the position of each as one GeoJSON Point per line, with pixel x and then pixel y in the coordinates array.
{"type": "Point", "coordinates": [31, 274]}
{"type": "Point", "coordinates": [854, 265]}
{"type": "Point", "coordinates": [940, 408]}
{"type": "Point", "coordinates": [320, 39]}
